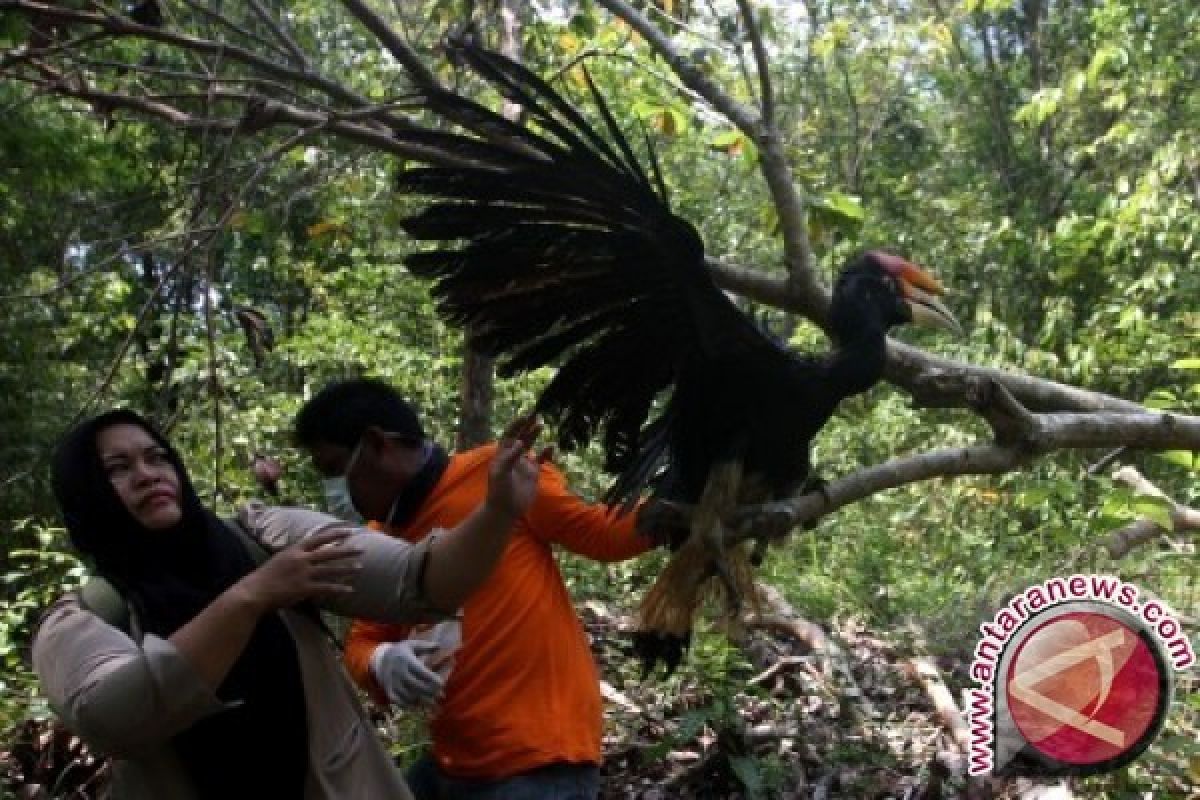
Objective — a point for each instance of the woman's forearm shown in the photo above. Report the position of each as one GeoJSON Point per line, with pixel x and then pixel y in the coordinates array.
{"type": "Point", "coordinates": [213, 640]}
{"type": "Point", "coordinates": [462, 559]}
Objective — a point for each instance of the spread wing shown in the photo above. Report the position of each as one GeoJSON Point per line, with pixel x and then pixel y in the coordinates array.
{"type": "Point", "coordinates": [555, 247]}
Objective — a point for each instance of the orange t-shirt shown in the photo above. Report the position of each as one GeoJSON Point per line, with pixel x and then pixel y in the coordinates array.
{"type": "Point", "coordinates": [524, 691]}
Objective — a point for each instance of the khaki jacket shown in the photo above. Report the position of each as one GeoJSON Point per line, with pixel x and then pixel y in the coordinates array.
{"type": "Point", "coordinates": [126, 699]}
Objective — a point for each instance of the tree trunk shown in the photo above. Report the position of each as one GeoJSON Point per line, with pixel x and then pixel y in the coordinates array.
{"type": "Point", "coordinates": [479, 371]}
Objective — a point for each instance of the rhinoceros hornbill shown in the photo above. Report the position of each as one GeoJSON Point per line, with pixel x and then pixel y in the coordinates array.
{"type": "Point", "coordinates": [567, 253]}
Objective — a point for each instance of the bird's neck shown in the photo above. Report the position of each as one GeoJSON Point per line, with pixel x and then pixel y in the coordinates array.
{"type": "Point", "coordinates": [858, 362]}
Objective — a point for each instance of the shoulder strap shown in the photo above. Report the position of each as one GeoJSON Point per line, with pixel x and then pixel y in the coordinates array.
{"type": "Point", "coordinates": [102, 599]}
{"type": "Point", "coordinates": [257, 552]}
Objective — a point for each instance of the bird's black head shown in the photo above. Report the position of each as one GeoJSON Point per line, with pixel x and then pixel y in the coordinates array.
{"type": "Point", "coordinates": [879, 290]}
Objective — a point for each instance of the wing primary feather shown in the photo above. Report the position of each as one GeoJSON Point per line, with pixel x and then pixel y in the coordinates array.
{"type": "Point", "coordinates": [614, 130]}
{"type": "Point", "coordinates": [512, 78]}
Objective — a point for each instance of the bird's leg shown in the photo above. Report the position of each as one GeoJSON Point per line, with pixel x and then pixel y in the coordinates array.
{"type": "Point", "coordinates": [764, 519]}
{"type": "Point", "coordinates": [767, 520]}
{"type": "Point", "coordinates": [718, 499]}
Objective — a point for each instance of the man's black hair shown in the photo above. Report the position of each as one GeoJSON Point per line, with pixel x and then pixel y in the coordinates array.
{"type": "Point", "coordinates": [342, 411]}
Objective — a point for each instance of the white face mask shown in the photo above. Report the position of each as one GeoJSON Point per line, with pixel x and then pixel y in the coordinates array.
{"type": "Point", "coordinates": [337, 493]}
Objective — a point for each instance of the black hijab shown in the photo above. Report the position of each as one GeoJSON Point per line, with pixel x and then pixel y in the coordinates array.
{"type": "Point", "coordinates": [259, 746]}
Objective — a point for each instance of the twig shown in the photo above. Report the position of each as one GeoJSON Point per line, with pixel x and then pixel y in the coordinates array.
{"type": "Point", "coordinates": [281, 34]}
{"type": "Point", "coordinates": [783, 617]}
{"type": "Point", "coordinates": [395, 45]}
{"type": "Point", "coordinates": [943, 701]}
{"type": "Point", "coordinates": [773, 160]}
{"type": "Point", "coordinates": [1142, 531]}
{"type": "Point", "coordinates": [233, 26]}
{"type": "Point", "coordinates": [117, 26]}
{"type": "Point", "coordinates": [766, 93]}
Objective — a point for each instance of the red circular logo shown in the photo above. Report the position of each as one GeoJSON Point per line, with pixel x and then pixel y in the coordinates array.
{"type": "Point", "coordinates": [1084, 688]}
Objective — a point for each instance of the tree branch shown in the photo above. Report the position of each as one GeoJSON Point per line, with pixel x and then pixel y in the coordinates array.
{"type": "Point", "coordinates": [809, 292]}
{"type": "Point", "coordinates": [1122, 541]}
{"type": "Point", "coordinates": [117, 26]}
{"type": "Point", "coordinates": [776, 520]}
{"type": "Point", "coordinates": [395, 45]}
{"type": "Point", "coordinates": [1037, 434]}
{"type": "Point", "coordinates": [766, 93]}
{"type": "Point", "coordinates": [282, 35]}
{"type": "Point", "coordinates": [934, 381]}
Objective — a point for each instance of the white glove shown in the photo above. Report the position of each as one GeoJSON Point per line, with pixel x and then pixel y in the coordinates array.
{"type": "Point", "coordinates": [400, 669]}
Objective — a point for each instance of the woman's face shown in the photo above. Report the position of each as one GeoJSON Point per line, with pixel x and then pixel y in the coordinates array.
{"type": "Point", "coordinates": [142, 474]}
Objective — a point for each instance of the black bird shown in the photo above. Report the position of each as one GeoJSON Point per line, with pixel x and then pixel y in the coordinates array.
{"type": "Point", "coordinates": [570, 255]}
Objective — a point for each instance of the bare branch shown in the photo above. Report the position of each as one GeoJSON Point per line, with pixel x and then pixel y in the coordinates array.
{"type": "Point", "coordinates": [766, 93]}
{"type": "Point", "coordinates": [803, 281]}
{"type": "Point", "coordinates": [282, 35]}
{"type": "Point", "coordinates": [260, 113]}
{"type": "Point", "coordinates": [118, 26]}
{"type": "Point", "coordinates": [1033, 434]}
{"type": "Point", "coordinates": [221, 19]}
{"type": "Point", "coordinates": [776, 520]}
{"type": "Point", "coordinates": [395, 45]}
{"type": "Point", "coordinates": [1139, 532]}
{"type": "Point", "coordinates": [933, 381]}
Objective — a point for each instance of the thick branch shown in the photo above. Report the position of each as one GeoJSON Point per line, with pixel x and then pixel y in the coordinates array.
{"type": "Point", "coordinates": [776, 520]}
{"type": "Point", "coordinates": [935, 381]}
{"type": "Point", "coordinates": [1030, 435]}
{"type": "Point", "coordinates": [932, 380]}
{"type": "Point", "coordinates": [776, 171]}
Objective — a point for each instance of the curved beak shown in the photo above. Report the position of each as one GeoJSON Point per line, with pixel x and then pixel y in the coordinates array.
{"type": "Point", "coordinates": [920, 290]}
{"type": "Point", "coordinates": [927, 310]}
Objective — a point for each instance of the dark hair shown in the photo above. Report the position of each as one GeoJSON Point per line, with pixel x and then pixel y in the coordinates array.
{"type": "Point", "coordinates": [98, 522]}
{"type": "Point", "coordinates": [342, 411]}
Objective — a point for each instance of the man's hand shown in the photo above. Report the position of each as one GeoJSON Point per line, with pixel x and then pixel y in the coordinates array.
{"type": "Point", "coordinates": [403, 670]}
{"type": "Point", "coordinates": [513, 478]}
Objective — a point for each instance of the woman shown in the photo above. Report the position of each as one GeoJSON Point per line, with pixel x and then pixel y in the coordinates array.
{"type": "Point", "coordinates": [230, 691]}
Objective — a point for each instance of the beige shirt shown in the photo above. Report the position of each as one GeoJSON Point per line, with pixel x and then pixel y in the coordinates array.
{"type": "Point", "coordinates": [126, 699]}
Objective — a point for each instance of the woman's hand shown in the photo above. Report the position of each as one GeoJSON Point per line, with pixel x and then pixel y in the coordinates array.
{"type": "Point", "coordinates": [320, 564]}
{"type": "Point", "coordinates": [513, 478]}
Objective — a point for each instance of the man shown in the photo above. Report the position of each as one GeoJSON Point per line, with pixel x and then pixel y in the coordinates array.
{"type": "Point", "coordinates": [520, 714]}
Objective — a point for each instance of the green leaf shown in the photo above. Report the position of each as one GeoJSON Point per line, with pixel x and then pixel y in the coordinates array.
{"type": "Point", "coordinates": [1183, 458]}
{"type": "Point", "coordinates": [837, 210]}
{"type": "Point", "coordinates": [747, 772]}
{"type": "Point", "coordinates": [1186, 363]}
{"type": "Point", "coordinates": [1032, 498]}
{"type": "Point", "coordinates": [1155, 509]}
{"type": "Point", "coordinates": [728, 141]}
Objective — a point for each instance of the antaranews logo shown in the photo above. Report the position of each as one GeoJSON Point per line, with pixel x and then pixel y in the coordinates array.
{"type": "Point", "coordinates": [1075, 676]}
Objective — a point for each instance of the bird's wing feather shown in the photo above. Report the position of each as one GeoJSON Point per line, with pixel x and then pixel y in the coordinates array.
{"type": "Point", "coordinates": [555, 248]}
